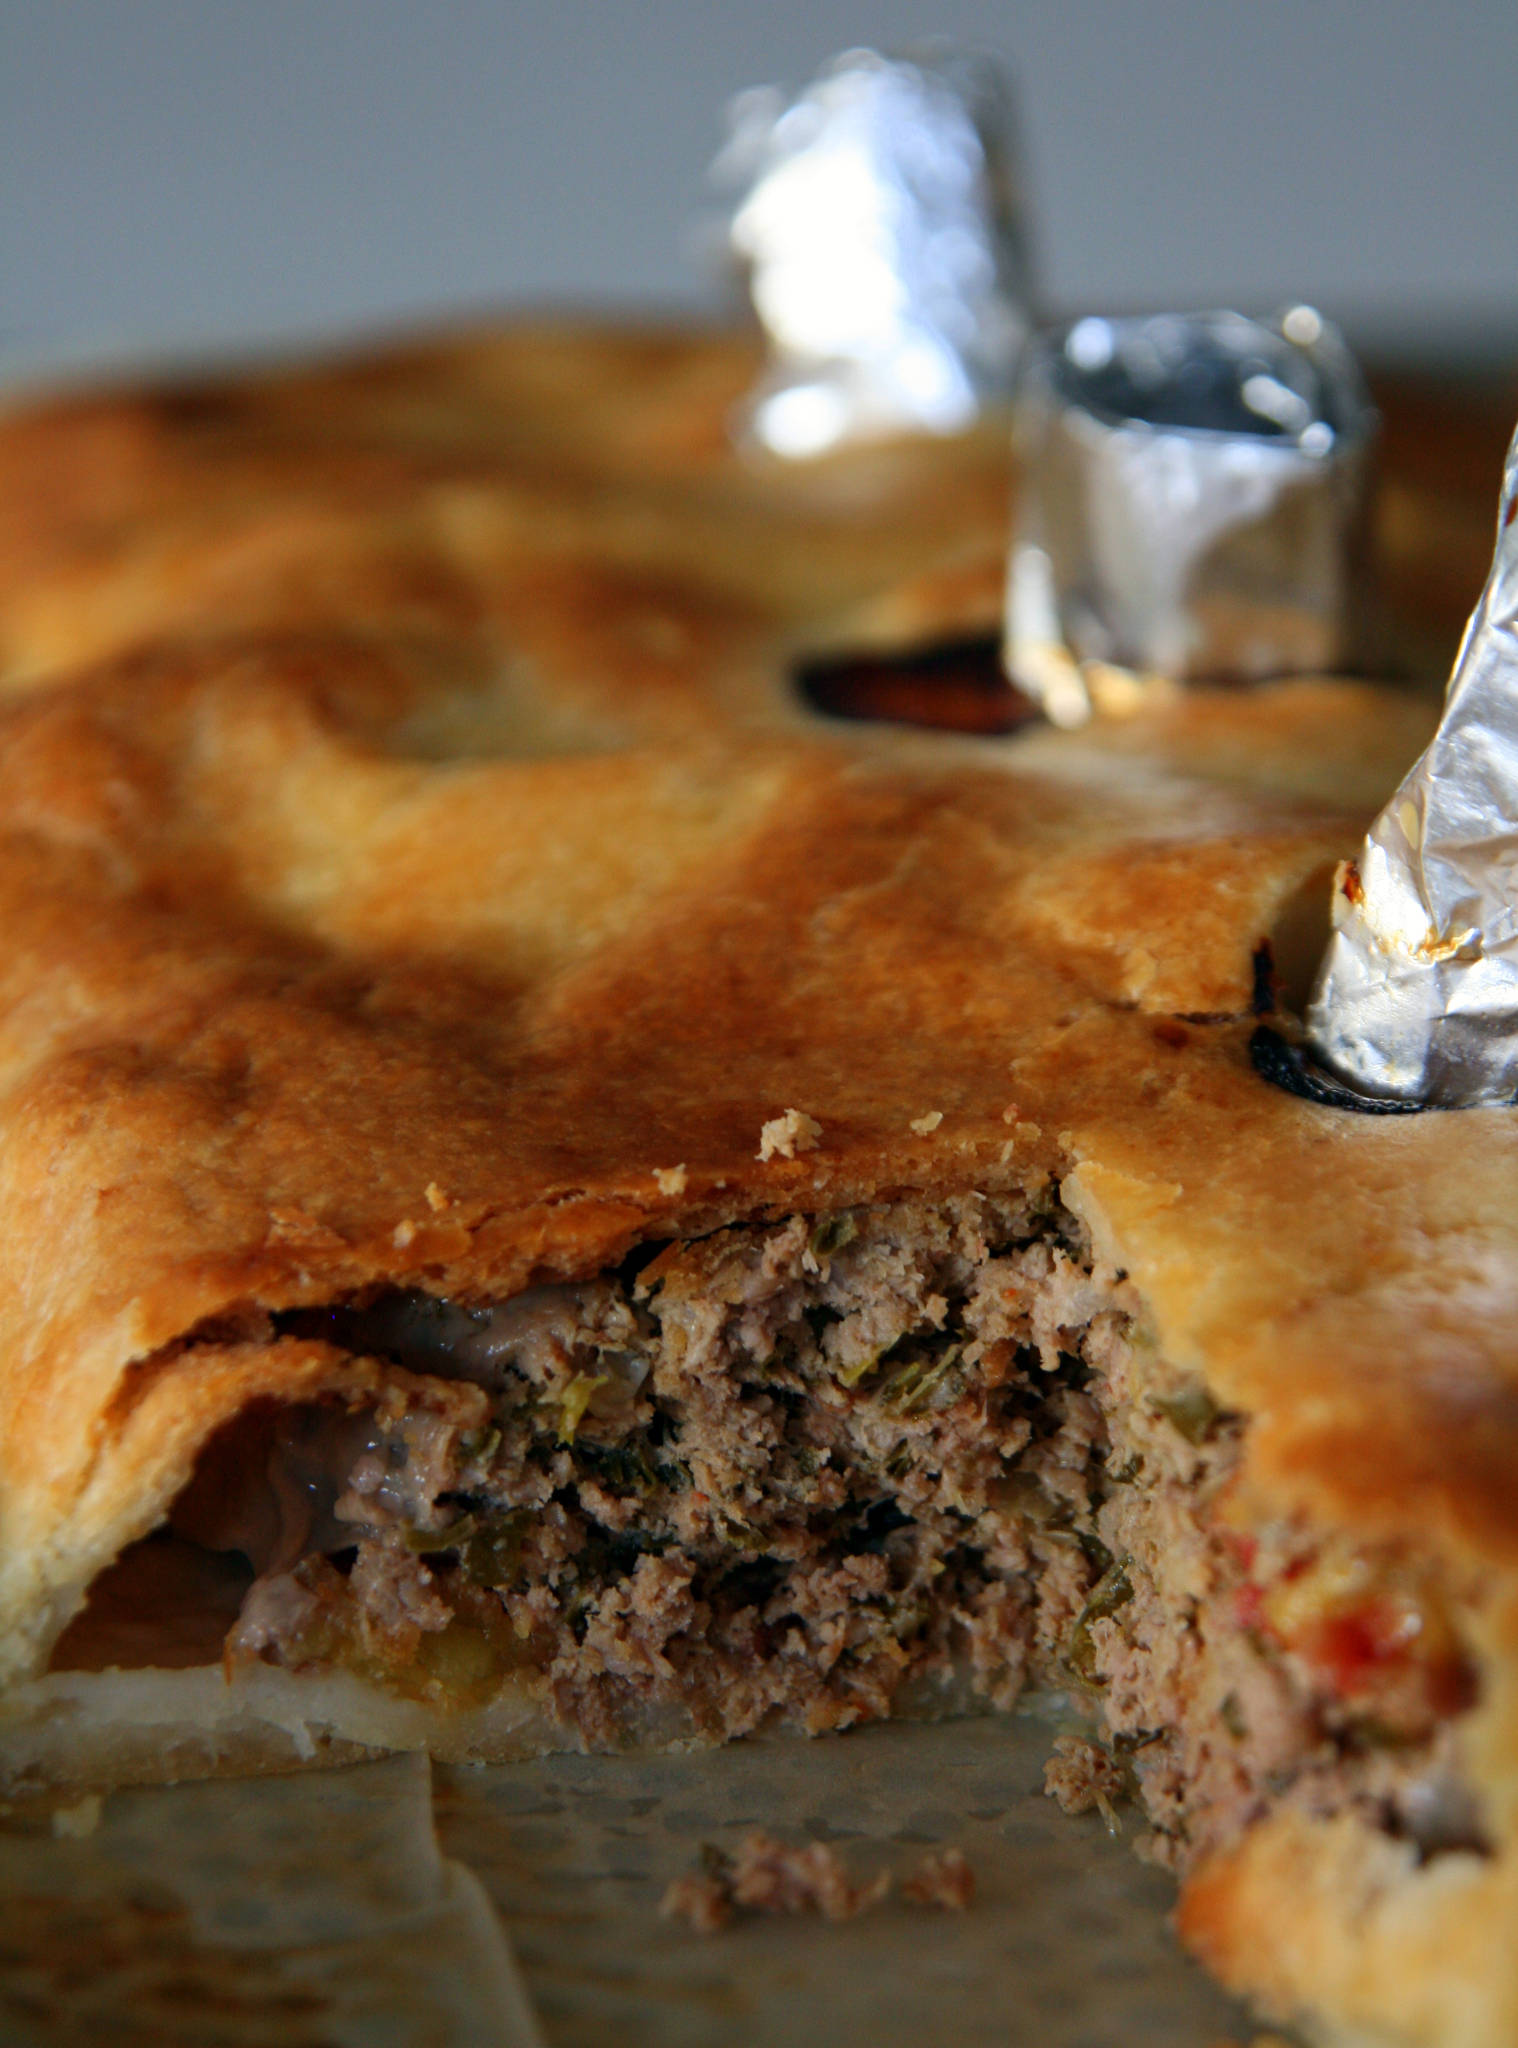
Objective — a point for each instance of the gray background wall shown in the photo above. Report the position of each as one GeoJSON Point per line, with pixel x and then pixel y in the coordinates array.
{"type": "Point", "coordinates": [182, 173]}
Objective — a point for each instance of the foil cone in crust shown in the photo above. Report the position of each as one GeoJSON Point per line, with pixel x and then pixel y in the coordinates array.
{"type": "Point", "coordinates": [1193, 491]}
{"type": "Point", "coordinates": [878, 220]}
{"type": "Point", "coordinates": [1417, 998]}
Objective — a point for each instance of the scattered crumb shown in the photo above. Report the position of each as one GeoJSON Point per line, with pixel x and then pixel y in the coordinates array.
{"type": "Point", "coordinates": [786, 1135]}
{"type": "Point", "coordinates": [670, 1180]}
{"type": "Point", "coordinates": [1082, 1778]}
{"type": "Point", "coordinates": [74, 1823]}
{"type": "Point", "coordinates": [923, 1124]}
{"type": "Point", "coordinates": [404, 1234]}
{"type": "Point", "coordinates": [294, 1226]}
{"type": "Point", "coordinates": [1009, 1114]}
{"type": "Point", "coordinates": [945, 1880]}
{"type": "Point", "coordinates": [770, 1878]}
{"type": "Point", "coordinates": [437, 1201]}
{"type": "Point", "coordinates": [1008, 1149]}
{"type": "Point", "coordinates": [764, 1876]}
{"type": "Point", "coordinates": [706, 1903]}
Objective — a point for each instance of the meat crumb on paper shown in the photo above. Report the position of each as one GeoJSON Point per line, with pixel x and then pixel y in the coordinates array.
{"type": "Point", "coordinates": [706, 1903]}
{"type": "Point", "coordinates": [1083, 1778]}
{"type": "Point", "coordinates": [763, 1875]}
{"type": "Point", "coordinates": [945, 1880]}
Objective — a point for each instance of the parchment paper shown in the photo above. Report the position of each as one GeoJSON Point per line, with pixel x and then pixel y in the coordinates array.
{"type": "Point", "coordinates": [311, 1911]}
{"type": "Point", "coordinates": [324, 1909]}
{"type": "Point", "coordinates": [1067, 1945]}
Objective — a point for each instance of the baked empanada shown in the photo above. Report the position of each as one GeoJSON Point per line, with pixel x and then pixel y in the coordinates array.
{"type": "Point", "coordinates": [557, 1195]}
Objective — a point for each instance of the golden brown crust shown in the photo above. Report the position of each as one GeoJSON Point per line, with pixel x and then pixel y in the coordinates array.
{"type": "Point", "coordinates": [1333, 1917]}
{"type": "Point", "coordinates": [412, 847]}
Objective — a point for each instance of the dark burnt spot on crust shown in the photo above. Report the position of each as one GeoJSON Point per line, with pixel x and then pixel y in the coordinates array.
{"type": "Point", "coordinates": [953, 686]}
{"type": "Point", "coordinates": [198, 408]}
{"type": "Point", "coordinates": [1287, 1066]}
{"type": "Point", "coordinates": [1262, 1002]}
{"type": "Point", "coordinates": [1172, 1032]}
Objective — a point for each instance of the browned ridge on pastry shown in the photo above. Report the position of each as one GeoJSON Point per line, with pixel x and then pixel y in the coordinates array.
{"type": "Point", "coordinates": [558, 1193]}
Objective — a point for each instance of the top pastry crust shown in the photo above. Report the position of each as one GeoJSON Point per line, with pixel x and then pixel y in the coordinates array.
{"type": "Point", "coordinates": [419, 870]}
{"type": "Point", "coordinates": [405, 790]}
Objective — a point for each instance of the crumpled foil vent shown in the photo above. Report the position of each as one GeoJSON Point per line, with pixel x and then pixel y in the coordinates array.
{"type": "Point", "coordinates": [1417, 998]}
{"type": "Point", "coordinates": [878, 221]}
{"type": "Point", "coordinates": [1192, 501]}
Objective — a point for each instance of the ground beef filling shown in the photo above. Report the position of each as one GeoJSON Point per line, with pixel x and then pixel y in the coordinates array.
{"type": "Point", "coordinates": [815, 1472]}
{"type": "Point", "coordinates": [785, 1471]}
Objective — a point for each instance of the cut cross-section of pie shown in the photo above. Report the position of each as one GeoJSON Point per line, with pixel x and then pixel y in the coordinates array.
{"type": "Point", "coordinates": [555, 1196]}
